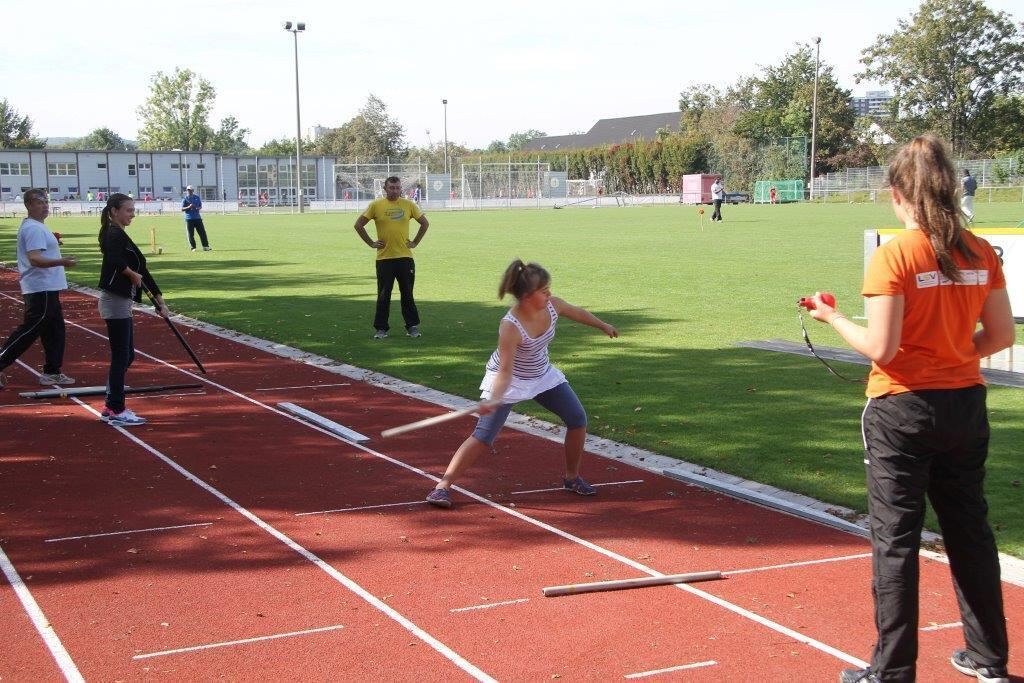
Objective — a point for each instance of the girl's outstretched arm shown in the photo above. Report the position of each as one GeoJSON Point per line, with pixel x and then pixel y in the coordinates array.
{"type": "Point", "coordinates": [582, 316]}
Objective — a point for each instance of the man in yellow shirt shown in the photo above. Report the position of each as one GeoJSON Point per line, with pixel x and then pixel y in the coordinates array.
{"type": "Point", "coordinates": [391, 215]}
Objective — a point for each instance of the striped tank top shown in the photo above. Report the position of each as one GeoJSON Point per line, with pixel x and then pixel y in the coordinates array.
{"type": "Point", "coordinates": [532, 353]}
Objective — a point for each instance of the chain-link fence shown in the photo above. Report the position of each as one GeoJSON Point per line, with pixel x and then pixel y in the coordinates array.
{"type": "Point", "coordinates": [998, 180]}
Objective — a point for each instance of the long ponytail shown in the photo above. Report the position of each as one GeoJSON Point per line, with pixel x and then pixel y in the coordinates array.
{"type": "Point", "coordinates": [521, 279]}
{"type": "Point", "coordinates": [923, 174]}
{"type": "Point", "coordinates": [114, 201]}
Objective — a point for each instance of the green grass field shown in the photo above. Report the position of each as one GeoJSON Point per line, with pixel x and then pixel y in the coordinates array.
{"type": "Point", "coordinates": [673, 382]}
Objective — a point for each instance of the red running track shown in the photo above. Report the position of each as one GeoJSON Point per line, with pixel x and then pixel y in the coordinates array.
{"type": "Point", "coordinates": [210, 554]}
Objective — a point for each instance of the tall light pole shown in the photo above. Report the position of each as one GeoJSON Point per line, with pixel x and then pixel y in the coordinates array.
{"type": "Point", "coordinates": [445, 103]}
{"type": "Point", "coordinates": [814, 111]}
{"type": "Point", "coordinates": [298, 28]}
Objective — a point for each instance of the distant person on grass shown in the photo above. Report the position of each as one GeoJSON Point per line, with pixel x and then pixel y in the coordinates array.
{"type": "Point", "coordinates": [925, 427]}
{"type": "Point", "coordinates": [391, 215]}
{"type": "Point", "coordinates": [717, 197]}
{"type": "Point", "coordinates": [41, 269]}
{"type": "Point", "coordinates": [191, 205]}
{"type": "Point", "coordinates": [969, 186]}
{"type": "Point", "coordinates": [519, 370]}
{"type": "Point", "coordinates": [122, 276]}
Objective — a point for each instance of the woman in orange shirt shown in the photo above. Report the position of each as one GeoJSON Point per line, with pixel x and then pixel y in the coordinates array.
{"type": "Point", "coordinates": [925, 426]}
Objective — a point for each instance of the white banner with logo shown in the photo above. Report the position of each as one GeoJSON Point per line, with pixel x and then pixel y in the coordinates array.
{"type": "Point", "coordinates": [1008, 243]}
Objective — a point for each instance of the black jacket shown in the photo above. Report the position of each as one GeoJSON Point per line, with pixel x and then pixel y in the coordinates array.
{"type": "Point", "coordinates": [119, 252]}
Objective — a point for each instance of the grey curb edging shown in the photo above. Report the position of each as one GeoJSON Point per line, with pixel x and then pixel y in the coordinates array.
{"type": "Point", "coordinates": [761, 494]}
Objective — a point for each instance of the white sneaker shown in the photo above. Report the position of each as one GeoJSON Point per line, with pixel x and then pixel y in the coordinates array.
{"type": "Point", "coordinates": [380, 334]}
{"type": "Point", "coordinates": [59, 378]}
{"type": "Point", "coordinates": [125, 418]}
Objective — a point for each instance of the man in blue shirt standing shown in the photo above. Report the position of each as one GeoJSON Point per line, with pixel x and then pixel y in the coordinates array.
{"type": "Point", "coordinates": [191, 205]}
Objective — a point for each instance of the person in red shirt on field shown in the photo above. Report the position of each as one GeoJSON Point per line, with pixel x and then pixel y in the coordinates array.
{"type": "Point", "coordinates": [925, 426]}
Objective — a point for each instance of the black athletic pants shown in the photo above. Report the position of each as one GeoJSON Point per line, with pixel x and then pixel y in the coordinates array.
{"type": "Point", "coordinates": [44, 319]}
{"type": "Point", "coordinates": [120, 332]}
{"type": "Point", "coordinates": [389, 270]}
{"type": "Point", "coordinates": [930, 443]}
{"type": "Point", "coordinates": [717, 214]}
{"type": "Point", "coordinates": [193, 225]}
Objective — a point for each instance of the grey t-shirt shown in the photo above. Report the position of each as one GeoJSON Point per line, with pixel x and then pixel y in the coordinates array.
{"type": "Point", "coordinates": [970, 185]}
{"type": "Point", "coordinates": [33, 236]}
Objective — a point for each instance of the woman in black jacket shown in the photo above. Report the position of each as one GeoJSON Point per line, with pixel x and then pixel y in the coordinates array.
{"type": "Point", "coordinates": [122, 277]}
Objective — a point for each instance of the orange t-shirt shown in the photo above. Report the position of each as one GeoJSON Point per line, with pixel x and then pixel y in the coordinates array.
{"type": "Point", "coordinates": [939, 316]}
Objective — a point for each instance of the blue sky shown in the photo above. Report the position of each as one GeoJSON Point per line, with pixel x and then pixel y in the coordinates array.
{"type": "Point", "coordinates": [504, 67]}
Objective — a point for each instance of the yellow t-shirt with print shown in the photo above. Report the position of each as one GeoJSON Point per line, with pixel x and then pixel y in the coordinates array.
{"type": "Point", "coordinates": [392, 221]}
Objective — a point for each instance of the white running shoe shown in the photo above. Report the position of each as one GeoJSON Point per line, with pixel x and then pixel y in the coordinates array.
{"type": "Point", "coordinates": [125, 418]}
{"type": "Point", "coordinates": [58, 378]}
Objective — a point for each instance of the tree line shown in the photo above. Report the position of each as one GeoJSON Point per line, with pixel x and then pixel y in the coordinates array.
{"type": "Point", "coordinates": [954, 67]}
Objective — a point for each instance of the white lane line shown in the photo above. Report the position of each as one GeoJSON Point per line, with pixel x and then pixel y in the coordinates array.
{"type": "Point", "coordinates": [939, 627]}
{"type": "Point", "coordinates": [859, 556]}
{"type": "Point", "coordinates": [228, 643]}
{"type": "Point", "coordinates": [445, 651]}
{"type": "Point", "coordinates": [308, 386]}
{"type": "Point", "coordinates": [365, 507]}
{"type": "Point", "coordinates": [39, 620]}
{"type": "Point", "coordinates": [149, 396]}
{"type": "Point", "coordinates": [23, 405]}
{"type": "Point", "coordinates": [489, 605]}
{"type": "Point", "coordinates": [559, 488]}
{"type": "Point", "coordinates": [125, 533]}
{"type": "Point", "coordinates": [655, 672]}
{"type": "Point", "coordinates": [736, 609]}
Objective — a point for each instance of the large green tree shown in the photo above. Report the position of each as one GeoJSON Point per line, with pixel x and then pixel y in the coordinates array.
{"type": "Point", "coordinates": [101, 138]}
{"type": "Point", "coordinates": [517, 140]}
{"type": "Point", "coordinates": [285, 147]}
{"type": "Point", "coordinates": [778, 103]}
{"type": "Point", "coordinates": [230, 137]}
{"type": "Point", "coordinates": [371, 134]}
{"type": "Point", "coordinates": [947, 65]}
{"type": "Point", "coordinates": [16, 130]}
{"type": "Point", "coordinates": [176, 114]}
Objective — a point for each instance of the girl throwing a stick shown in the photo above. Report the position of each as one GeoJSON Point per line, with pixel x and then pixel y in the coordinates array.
{"type": "Point", "coordinates": [122, 276]}
{"type": "Point", "coordinates": [520, 370]}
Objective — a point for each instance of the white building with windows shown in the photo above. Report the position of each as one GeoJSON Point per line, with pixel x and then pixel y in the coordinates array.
{"type": "Point", "coordinates": [74, 174]}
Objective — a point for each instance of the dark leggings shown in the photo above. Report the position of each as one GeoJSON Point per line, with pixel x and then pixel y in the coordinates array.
{"type": "Point", "coordinates": [122, 354]}
{"type": "Point", "coordinates": [561, 400]}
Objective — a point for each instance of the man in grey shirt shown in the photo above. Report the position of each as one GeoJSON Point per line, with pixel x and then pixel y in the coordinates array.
{"type": "Point", "coordinates": [41, 267]}
{"type": "Point", "coordinates": [970, 186]}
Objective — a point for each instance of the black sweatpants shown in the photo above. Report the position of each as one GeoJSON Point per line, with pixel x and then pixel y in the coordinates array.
{"type": "Point", "coordinates": [404, 271]}
{"type": "Point", "coordinates": [192, 226]}
{"type": "Point", "coordinates": [932, 443]}
{"type": "Point", "coordinates": [716, 215]}
{"type": "Point", "coordinates": [121, 333]}
{"type": "Point", "coordinates": [44, 319]}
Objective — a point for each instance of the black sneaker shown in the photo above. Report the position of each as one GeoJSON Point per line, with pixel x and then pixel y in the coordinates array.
{"type": "Point", "coordinates": [963, 663]}
{"type": "Point", "coordinates": [859, 676]}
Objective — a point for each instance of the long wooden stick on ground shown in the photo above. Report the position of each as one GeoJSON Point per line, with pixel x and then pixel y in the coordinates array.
{"type": "Point", "coordinates": [622, 584]}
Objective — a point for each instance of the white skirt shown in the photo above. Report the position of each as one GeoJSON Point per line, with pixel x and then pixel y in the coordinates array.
{"type": "Point", "coordinates": [522, 389]}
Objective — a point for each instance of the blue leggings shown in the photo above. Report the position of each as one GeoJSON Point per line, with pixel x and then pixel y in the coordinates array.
{"type": "Point", "coordinates": [561, 400]}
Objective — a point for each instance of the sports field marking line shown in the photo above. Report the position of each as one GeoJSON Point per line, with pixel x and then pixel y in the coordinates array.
{"type": "Point", "coordinates": [736, 609]}
{"type": "Point", "coordinates": [489, 605]}
{"type": "Point", "coordinates": [303, 552]}
{"type": "Point", "coordinates": [125, 533]}
{"type": "Point", "coordinates": [22, 405]}
{"type": "Point", "coordinates": [243, 641]}
{"type": "Point", "coordinates": [133, 397]}
{"type": "Point", "coordinates": [364, 507]}
{"type": "Point", "coordinates": [859, 556]}
{"type": "Point", "coordinates": [683, 667]}
{"type": "Point", "coordinates": [39, 620]}
{"type": "Point", "coordinates": [562, 488]}
{"type": "Point", "coordinates": [308, 386]}
{"type": "Point", "coordinates": [939, 627]}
